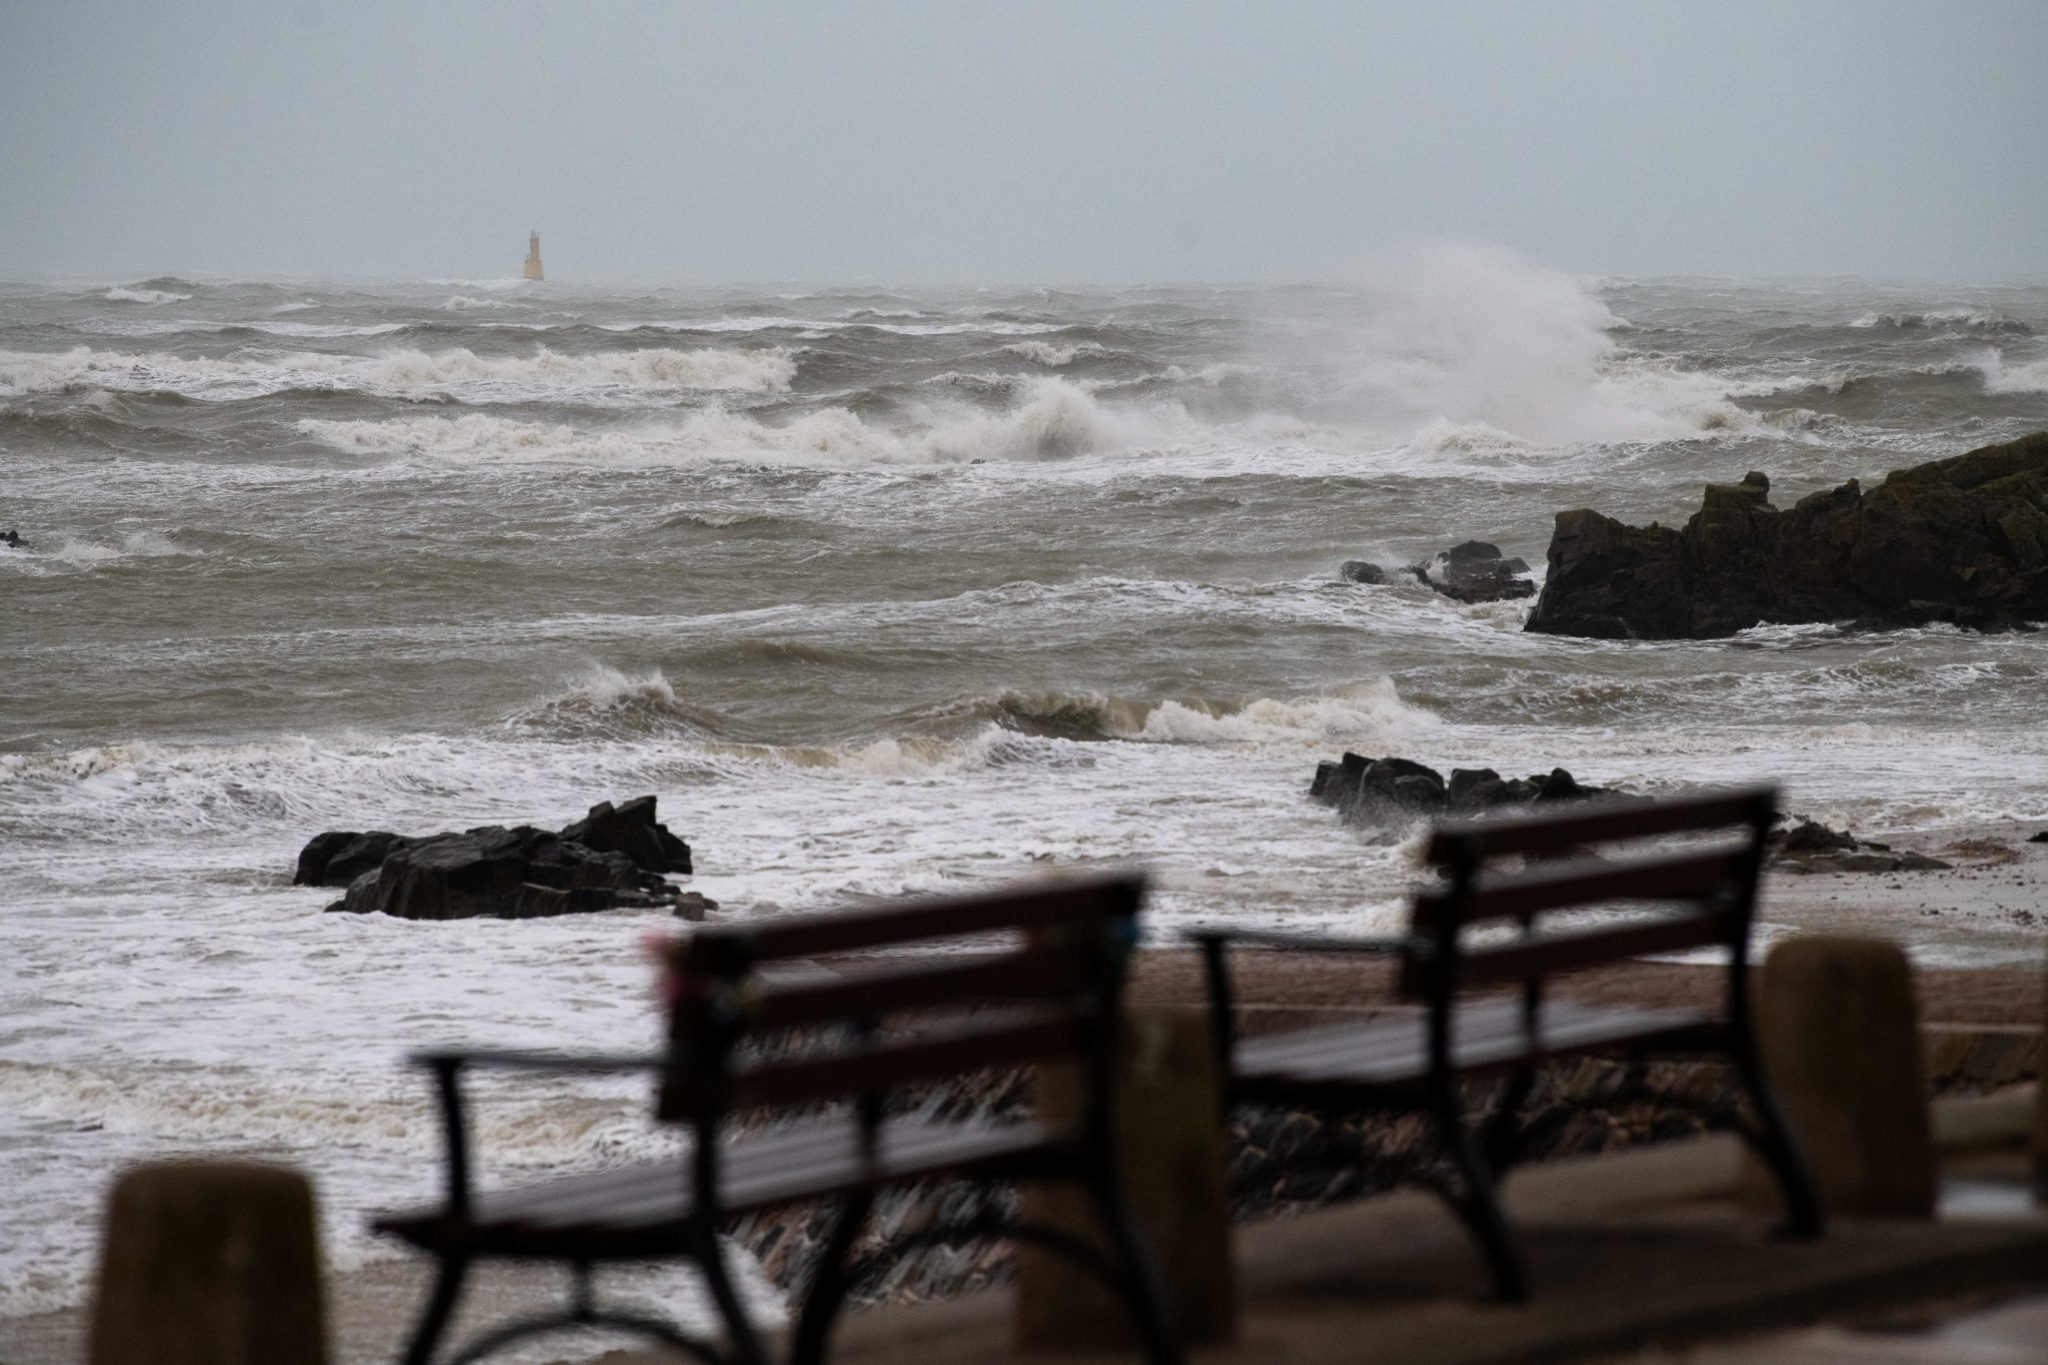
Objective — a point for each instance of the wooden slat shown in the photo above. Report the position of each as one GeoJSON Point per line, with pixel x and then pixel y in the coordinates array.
{"type": "Point", "coordinates": [1063, 969]}
{"type": "Point", "coordinates": [1593, 822]}
{"type": "Point", "coordinates": [1675, 876]}
{"type": "Point", "coordinates": [642, 1208]}
{"type": "Point", "coordinates": [1394, 1053]}
{"type": "Point", "coordinates": [1057, 903]}
{"type": "Point", "coordinates": [1543, 954]}
{"type": "Point", "coordinates": [1042, 1034]}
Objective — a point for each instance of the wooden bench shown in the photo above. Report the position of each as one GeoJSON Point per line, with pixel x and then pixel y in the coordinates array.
{"type": "Point", "coordinates": [827, 1051]}
{"type": "Point", "coordinates": [1698, 895]}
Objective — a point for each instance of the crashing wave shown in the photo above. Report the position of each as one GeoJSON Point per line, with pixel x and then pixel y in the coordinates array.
{"type": "Point", "coordinates": [122, 294]}
{"type": "Point", "coordinates": [407, 374]}
{"type": "Point", "coordinates": [2003, 376]}
{"type": "Point", "coordinates": [1054, 356]}
{"type": "Point", "coordinates": [1965, 319]}
{"type": "Point", "coordinates": [1051, 419]}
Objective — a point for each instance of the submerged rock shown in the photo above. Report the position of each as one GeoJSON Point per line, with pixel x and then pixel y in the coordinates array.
{"type": "Point", "coordinates": [614, 857]}
{"type": "Point", "coordinates": [1398, 791]}
{"type": "Point", "coordinates": [1472, 572]}
{"type": "Point", "coordinates": [10, 539]}
{"type": "Point", "coordinates": [1962, 540]}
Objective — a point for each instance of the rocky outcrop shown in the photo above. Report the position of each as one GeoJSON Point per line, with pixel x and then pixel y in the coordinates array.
{"type": "Point", "coordinates": [10, 540]}
{"type": "Point", "coordinates": [1962, 540]}
{"type": "Point", "coordinates": [1808, 846]}
{"type": "Point", "coordinates": [1471, 572]}
{"type": "Point", "coordinates": [1399, 791]}
{"type": "Point", "coordinates": [616, 856]}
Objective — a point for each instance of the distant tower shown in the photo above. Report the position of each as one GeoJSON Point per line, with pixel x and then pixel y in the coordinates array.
{"type": "Point", "coordinates": [533, 257]}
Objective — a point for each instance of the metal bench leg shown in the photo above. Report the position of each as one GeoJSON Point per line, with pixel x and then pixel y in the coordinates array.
{"type": "Point", "coordinates": [440, 1307]}
{"type": "Point", "coordinates": [830, 1285]}
{"type": "Point", "coordinates": [1141, 1285]}
{"type": "Point", "coordinates": [1479, 1203]}
{"type": "Point", "coordinates": [1501, 1137]}
{"type": "Point", "coordinates": [1772, 1139]}
{"type": "Point", "coordinates": [739, 1328]}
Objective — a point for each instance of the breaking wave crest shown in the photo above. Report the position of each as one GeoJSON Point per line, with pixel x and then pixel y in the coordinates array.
{"type": "Point", "coordinates": [603, 701]}
{"type": "Point", "coordinates": [1460, 336]}
{"type": "Point", "coordinates": [122, 294]}
{"type": "Point", "coordinates": [1961, 319]}
{"type": "Point", "coordinates": [407, 374]}
{"type": "Point", "coordinates": [2002, 376]}
{"type": "Point", "coordinates": [1050, 419]}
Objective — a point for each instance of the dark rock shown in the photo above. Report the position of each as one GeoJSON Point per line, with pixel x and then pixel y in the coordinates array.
{"type": "Point", "coordinates": [1962, 540]}
{"type": "Point", "coordinates": [11, 539]}
{"type": "Point", "coordinates": [516, 873]}
{"type": "Point", "coordinates": [1397, 791]}
{"type": "Point", "coordinates": [2041, 838]}
{"type": "Point", "coordinates": [1471, 572]}
{"type": "Point", "coordinates": [338, 857]}
{"type": "Point", "coordinates": [1809, 847]}
{"type": "Point", "coordinates": [1810, 836]}
{"type": "Point", "coordinates": [1465, 781]}
{"type": "Point", "coordinates": [614, 857]}
{"type": "Point", "coordinates": [693, 905]}
{"type": "Point", "coordinates": [631, 829]}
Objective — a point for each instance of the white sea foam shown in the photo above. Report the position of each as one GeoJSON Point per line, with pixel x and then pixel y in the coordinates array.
{"type": "Point", "coordinates": [1050, 354]}
{"type": "Point", "coordinates": [613, 376]}
{"type": "Point", "coordinates": [1968, 319]}
{"type": "Point", "coordinates": [2003, 376]}
{"type": "Point", "coordinates": [1465, 335]}
{"type": "Point", "coordinates": [120, 294]}
{"type": "Point", "coordinates": [1051, 419]}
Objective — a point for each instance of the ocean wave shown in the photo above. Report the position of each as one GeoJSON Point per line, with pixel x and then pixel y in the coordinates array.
{"type": "Point", "coordinates": [1464, 335]}
{"type": "Point", "coordinates": [1964, 319]}
{"type": "Point", "coordinates": [2003, 376]}
{"type": "Point", "coordinates": [606, 701]}
{"type": "Point", "coordinates": [406, 374]}
{"type": "Point", "coordinates": [1046, 353]}
{"type": "Point", "coordinates": [1367, 712]}
{"type": "Point", "coordinates": [1051, 419]}
{"type": "Point", "coordinates": [469, 303]}
{"type": "Point", "coordinates": [121, 294]}
{"type": "Point", "coordinates": [77, 552]}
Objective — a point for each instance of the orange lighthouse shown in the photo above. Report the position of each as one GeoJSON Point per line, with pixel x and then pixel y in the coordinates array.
{"type": "Point", "coordinates": [533, 257]}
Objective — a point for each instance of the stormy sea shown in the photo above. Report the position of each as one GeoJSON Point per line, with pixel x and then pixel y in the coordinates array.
{"type": "Point", "coordinates": [881, 591]}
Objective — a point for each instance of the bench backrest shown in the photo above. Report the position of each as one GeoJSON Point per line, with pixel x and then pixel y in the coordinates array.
{"type": "Point", "coordinates": [877, 999]}
{"type": "Point", "coordinates": [1699, 895]}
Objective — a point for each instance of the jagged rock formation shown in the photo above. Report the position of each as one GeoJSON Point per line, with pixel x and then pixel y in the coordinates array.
{"type": "Point", "coordinates": [615, 856]}
{"type": "Point", "coordinates": [1471, 572]}
{"type": "Point", "coordinates": [1962, 540]}
{"type": "Point", "coordinates": [1398, 791]}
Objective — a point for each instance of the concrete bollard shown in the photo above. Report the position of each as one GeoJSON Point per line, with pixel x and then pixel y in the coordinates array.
{"type": "Point", "coordinates": [209, 1263]}
{"type": "Point", "coordinates": [1840, 1036]}
{"type": "Point", "coordinates": [1170, 1133]}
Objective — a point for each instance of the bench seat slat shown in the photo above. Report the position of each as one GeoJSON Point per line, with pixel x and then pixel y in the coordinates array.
{"type": "Point", "coordinates": [1548, 827]}
{"type": "Point", "coordinates": [1393, 1053]}
{"type": "Point", "coordinates": [645, 1208]}
{"type": "Point", "coordinates": [1678, 876]}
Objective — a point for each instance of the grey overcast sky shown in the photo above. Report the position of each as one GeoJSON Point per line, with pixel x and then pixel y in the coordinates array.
{"type": "Point", "coordinates": [1100, 141]}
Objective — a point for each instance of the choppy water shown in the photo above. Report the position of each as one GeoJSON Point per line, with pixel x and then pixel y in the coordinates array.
{"type": "Point", "coordinates": [880, 590]}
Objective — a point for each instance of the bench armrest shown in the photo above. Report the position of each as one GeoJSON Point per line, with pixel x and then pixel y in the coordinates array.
{"type": "Point", "coordinates": [1214, 942]}
{"type": "Point", "coordinates": [448, 1064]}
{"type": "Point", "coordinates": [510, 1059]}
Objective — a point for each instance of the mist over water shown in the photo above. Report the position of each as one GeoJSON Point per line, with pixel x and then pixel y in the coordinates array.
{"type": "Point", "coordinates": [881, 591]}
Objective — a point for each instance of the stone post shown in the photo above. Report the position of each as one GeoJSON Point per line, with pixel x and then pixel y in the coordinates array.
{"type": "Point", "coordinates": [1170, 1135]}
{"type": "Point", "coordinates": [209, 1263]}
{"type": "Point", "coordinates": [1840, 1035]}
